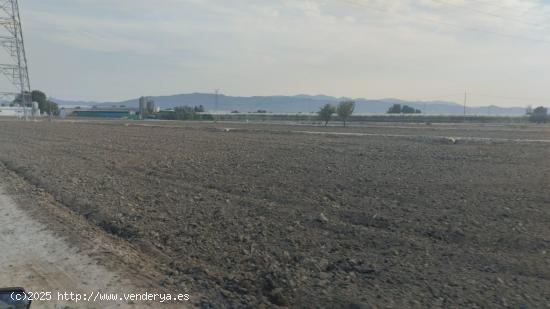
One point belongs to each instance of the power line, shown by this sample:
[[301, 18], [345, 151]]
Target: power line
[[511, 98], [454, 95], [475, 94], [468, 97]]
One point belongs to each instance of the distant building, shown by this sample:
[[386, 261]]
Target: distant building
[[147, 107], [105, 113], [12, 111]]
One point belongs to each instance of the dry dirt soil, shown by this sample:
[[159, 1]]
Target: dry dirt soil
[[262, 216]]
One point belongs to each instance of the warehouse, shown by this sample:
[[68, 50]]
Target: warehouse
[[96, 113]]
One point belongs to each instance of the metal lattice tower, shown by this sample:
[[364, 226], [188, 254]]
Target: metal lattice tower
[[12, 40]]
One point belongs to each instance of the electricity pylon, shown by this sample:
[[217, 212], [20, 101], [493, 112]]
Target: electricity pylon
[[11, 38]]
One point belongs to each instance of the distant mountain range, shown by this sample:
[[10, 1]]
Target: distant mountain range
[[299, 104]]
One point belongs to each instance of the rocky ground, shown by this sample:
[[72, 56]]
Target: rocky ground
[[262, 215]]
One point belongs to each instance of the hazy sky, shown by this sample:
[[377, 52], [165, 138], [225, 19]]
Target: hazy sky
[[498, 50]]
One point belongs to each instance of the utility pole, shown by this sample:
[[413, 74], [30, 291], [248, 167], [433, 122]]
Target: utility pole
[[12, 40], [465, 101], [217, 91], [309, 111]]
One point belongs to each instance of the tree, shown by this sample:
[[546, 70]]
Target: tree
[[184, 113], [407, 110], [539, 115], [51, 107], [45, 105], [325, 113], [395, 109], [41, 98], [345, 110]]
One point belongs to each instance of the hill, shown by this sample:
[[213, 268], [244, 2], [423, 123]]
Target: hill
[[299, 104]]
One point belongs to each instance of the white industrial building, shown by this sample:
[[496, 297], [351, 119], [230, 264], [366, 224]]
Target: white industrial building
[[15, 111], [18, 111]]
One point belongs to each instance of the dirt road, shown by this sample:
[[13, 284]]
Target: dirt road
[[35, 258]]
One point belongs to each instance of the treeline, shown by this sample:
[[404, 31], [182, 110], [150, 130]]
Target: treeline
[[186, 113], [344, 110], [44, 105], [397, 109]]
